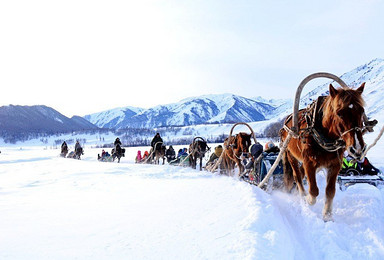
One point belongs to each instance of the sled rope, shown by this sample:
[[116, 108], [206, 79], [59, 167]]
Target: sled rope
[[186, 157], [153, 150], [282, 150], [374, 143]]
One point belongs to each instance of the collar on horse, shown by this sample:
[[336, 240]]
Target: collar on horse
[[313, 116], [195, 147]]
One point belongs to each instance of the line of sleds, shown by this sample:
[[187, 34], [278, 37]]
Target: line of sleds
[[185, 157], [181, 159], [253, 160], [116, 153], [75, 154]]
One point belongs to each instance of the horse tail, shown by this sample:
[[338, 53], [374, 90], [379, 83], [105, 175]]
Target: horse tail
[[288, 172]]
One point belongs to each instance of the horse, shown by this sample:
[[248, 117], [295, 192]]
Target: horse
[[117, 152], [326, 130], [235, 147], [197, 150], [159, 152]]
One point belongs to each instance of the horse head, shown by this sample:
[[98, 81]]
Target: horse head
[[343, 117], [243, 142]]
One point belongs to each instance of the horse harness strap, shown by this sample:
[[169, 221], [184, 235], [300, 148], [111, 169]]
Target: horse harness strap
[[313, 116]]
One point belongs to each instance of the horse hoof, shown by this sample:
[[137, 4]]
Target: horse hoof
[[328, 217], [311, 200]]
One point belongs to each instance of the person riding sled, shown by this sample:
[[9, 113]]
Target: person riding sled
[[170, 154], [138, 158], [216, 154], [351, 166]]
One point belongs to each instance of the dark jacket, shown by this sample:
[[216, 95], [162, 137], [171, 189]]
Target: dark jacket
[[156, 139], [117, 141], [77, 146]]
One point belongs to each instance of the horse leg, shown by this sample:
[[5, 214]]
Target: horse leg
[[193, 158], [310, 172], [330, 192], [297, 174], [201, 163]]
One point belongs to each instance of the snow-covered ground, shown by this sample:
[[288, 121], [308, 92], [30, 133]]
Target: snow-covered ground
[[58, 208]]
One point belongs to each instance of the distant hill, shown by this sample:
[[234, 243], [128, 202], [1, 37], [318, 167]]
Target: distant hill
[[208, 109], [16, 119]]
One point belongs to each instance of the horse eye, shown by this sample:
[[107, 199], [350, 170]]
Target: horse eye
[[340, 113]]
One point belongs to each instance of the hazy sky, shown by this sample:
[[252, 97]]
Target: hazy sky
[[81, 57]]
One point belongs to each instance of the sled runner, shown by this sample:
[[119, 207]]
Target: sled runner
[[181, 161], [348, 180], [354, 172], [106, 159]]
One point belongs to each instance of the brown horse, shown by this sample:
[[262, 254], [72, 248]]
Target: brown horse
[[322, 142], [236, 146], [159, 152]]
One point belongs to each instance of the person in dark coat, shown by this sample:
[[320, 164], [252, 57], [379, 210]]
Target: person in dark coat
[[64, 149], [156, 139], [77, 145], [64, 144], [117, 141], [255, 150], [170, 154]]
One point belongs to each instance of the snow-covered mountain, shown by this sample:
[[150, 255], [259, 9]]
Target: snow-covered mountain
[[229, 108], [16, 119], [225, 108], [113, 117], [371, 73]]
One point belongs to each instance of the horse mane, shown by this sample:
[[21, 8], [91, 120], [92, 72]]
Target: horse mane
[[341, 99]]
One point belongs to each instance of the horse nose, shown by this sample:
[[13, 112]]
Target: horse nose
[[356, 153]]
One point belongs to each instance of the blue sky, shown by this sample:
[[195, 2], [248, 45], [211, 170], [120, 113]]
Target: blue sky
[[81, 57]]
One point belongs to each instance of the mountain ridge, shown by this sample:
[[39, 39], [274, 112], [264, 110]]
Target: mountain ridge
[[39, 118]]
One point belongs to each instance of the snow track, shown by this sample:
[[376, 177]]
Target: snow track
[[56, 208]]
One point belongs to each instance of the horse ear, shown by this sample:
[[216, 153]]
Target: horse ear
[[332, 91], [361, 88]]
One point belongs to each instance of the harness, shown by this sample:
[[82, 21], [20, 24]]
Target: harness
[[313, 115], [195, 148]]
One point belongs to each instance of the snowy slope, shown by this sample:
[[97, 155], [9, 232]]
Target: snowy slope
[[371, 73], [223, 108], [111, 118], [39, 118], [56, 208]]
